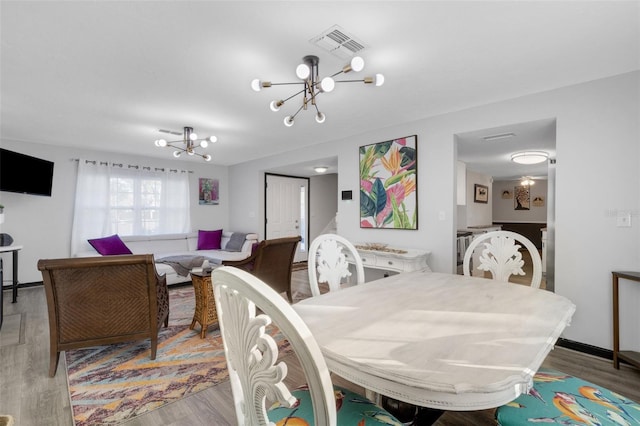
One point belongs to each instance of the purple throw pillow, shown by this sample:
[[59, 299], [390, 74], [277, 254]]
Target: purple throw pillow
[[108, 246], [210, 240]]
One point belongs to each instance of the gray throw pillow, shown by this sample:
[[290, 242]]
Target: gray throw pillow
[[236, 241]]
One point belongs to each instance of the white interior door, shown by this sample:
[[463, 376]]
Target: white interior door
[[286, 210]]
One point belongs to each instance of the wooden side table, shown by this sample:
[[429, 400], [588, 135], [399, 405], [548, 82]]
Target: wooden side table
[[631, 357], [205, 311]]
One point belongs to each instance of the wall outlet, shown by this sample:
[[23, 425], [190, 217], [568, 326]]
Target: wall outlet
[[623, 220]]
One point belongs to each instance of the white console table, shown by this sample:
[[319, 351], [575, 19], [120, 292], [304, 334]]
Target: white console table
[[411, 260]]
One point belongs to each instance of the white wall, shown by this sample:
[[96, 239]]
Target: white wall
[[478, 214], [323, 203], [503, 208], [43, 224], [598, 173]]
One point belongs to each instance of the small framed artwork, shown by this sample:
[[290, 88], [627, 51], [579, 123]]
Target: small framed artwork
[[208, 191], [521, 198], [538, 201], [480, 193], [507, 195]]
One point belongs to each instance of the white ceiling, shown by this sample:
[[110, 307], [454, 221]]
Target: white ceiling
[[109, 74], [492, 156]]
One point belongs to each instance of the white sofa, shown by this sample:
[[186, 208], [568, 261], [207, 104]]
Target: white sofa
[[171, 245]]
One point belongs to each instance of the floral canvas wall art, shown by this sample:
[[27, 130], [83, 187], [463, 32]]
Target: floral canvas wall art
[[388, 184]]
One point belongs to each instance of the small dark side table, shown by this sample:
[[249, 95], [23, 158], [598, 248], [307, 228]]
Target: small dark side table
[[14, 281], [632, 357]]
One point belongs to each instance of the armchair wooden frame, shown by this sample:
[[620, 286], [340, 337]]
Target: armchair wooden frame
[[103, 300], [272, 262]]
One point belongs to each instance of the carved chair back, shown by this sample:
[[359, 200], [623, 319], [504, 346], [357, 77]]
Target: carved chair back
[[501, 256], [252, 354], [328, 262]]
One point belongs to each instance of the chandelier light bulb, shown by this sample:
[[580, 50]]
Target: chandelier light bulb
[[275, 105], [255, 85], [320, 117], [288, 121], [379, 80], [161, 142], [303, 71], [204, 143], [327, 84], [213, 139], [357, 64], [206, 157], [177, 153], [193, 136]]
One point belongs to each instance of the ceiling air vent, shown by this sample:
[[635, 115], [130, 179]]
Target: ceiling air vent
[[171, 132], [338, 42]]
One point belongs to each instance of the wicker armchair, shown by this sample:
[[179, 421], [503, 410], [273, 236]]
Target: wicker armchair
[[271, 261], [103, 300]]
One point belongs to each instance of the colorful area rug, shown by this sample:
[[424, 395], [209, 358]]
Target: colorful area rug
[[113, 383]]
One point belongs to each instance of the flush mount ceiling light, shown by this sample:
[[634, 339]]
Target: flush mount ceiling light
[[188, 144], [529, 157], [320, 169], [308, 73]]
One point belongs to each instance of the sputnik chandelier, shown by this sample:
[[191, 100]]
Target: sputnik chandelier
[[307, 71], [188, 144]]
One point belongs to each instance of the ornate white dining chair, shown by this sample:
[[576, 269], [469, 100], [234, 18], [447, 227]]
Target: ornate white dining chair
[[255, 374], [328, 262], [501, 256]]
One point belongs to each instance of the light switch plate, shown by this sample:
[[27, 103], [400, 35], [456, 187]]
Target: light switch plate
[[623, 220]]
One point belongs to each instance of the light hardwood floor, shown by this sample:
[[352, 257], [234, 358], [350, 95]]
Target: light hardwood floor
[[28, 394]]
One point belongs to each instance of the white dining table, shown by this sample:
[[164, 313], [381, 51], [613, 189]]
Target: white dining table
[[438, 340]]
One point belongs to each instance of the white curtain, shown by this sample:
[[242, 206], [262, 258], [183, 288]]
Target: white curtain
[[97, 199]]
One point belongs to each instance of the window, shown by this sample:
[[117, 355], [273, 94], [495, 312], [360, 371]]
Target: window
[[135, 205], [116, 199]]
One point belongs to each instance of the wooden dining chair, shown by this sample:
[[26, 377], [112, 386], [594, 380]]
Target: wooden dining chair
[[501, 256], [257, 377], [328, 262]]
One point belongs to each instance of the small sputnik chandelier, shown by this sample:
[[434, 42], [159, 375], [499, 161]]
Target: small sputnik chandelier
[[307, 71], [188, 144]]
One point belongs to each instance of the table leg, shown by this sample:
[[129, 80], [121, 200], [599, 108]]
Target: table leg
[[1, 293], [15, 276], [616, 324]]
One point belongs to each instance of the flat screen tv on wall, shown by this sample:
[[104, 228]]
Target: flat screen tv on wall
[[25, 174]]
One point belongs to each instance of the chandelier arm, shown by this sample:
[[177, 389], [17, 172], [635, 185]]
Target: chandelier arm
[[287, 84], [350, 81], [294, 95], [171, 144], [299, 109]]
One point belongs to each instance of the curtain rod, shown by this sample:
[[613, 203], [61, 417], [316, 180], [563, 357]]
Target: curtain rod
[[131, 166]]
